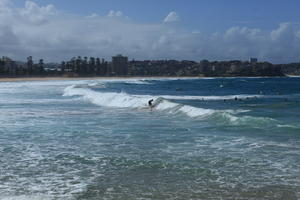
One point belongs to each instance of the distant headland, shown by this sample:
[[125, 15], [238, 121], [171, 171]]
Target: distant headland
[[120, 66]]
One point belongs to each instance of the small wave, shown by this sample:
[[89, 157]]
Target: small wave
[[226, 97], [196, 112], [288, 126], [230, 97], [91, 85], [137, 81], [126, 80], [256, 122]]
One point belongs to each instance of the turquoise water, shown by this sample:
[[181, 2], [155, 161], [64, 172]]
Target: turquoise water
[[97, 139]]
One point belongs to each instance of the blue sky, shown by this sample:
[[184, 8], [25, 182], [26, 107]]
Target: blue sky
[[151, 29], [211, 15]]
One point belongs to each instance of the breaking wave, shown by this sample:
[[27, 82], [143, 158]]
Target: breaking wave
[[124, 100]]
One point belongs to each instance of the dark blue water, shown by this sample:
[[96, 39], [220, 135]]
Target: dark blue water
[[232, 138]]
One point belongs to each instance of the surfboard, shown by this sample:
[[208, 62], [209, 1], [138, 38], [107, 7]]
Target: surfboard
[[157, 101], [154, 103]]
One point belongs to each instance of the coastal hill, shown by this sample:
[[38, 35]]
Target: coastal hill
[[120, 66]]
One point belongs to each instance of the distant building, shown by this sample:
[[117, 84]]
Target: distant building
[[6, 59], [9, 65], [253, 60], [119, 65], [234, 67], [213, 68]]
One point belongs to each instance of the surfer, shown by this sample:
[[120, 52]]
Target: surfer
[[150, 103]]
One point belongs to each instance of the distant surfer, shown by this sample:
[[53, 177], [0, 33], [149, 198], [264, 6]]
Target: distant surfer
[[150, 103]]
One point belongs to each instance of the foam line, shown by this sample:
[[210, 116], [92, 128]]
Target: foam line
[[124, 100]]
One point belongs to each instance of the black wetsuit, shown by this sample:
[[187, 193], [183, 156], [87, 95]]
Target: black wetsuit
[[150, 102]]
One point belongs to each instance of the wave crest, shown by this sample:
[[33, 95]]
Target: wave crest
[[124, 100]]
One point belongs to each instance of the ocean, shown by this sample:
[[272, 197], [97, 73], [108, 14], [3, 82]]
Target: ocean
[[207, 138]]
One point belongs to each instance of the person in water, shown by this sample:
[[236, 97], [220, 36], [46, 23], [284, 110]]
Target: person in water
[[150, 103]]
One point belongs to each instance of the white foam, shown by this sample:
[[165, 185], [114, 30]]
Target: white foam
[[24, 197], [102, 82], [124, 100], [110, 99], [126, 80], [288, 126], [228, 118], [166, 105], [142, 81], [196, 112]]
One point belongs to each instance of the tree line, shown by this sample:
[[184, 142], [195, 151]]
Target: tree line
[[94, 66]]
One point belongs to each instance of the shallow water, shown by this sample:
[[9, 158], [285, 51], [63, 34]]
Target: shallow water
[[97, 139]]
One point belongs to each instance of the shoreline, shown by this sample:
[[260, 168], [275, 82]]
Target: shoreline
[[58, 78]]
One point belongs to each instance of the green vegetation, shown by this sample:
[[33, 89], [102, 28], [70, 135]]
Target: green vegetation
[[120, 66]]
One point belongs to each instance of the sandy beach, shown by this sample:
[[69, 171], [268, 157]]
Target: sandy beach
[[48, 78], [85, 78], [110, 77]]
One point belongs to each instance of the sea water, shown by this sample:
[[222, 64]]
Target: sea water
[[213, 138]]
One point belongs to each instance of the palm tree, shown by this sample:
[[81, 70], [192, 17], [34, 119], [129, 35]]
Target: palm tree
[[41, 66], [98, 65], [63, 67], [91, 69], [29, 65]]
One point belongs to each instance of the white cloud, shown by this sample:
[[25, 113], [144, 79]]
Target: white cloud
[[113, 13], [172, 17], [45, 32], [5, 11], [93, 15], [36, 14], [4, 4], [285, 31]]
